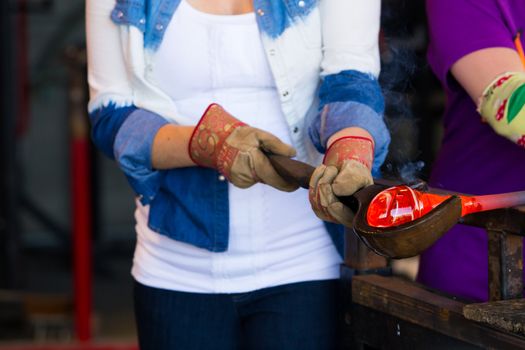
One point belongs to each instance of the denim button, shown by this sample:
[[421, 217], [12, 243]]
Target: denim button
[[222, 178], [301, 3], [260, 12], [120, 14], [159, 27], [142, 21]]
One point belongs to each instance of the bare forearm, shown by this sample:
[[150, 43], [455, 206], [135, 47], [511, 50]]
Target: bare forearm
[[476, 70], [170, 147]]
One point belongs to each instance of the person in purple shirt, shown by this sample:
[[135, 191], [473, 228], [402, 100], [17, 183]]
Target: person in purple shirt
[[475, 51]]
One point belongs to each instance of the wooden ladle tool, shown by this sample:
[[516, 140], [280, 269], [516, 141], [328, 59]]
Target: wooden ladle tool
[[400, 241]]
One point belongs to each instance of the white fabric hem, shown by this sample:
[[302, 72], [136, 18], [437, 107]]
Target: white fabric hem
[[107, 99]]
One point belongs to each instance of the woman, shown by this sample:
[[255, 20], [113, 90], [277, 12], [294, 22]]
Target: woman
[[188, 96], [475, 50]]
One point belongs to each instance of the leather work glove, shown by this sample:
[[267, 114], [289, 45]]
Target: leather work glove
[[236, 150], [345, 169]]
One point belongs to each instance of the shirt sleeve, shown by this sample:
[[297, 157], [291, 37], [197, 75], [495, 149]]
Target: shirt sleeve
[[350, 30], [460, 27], [350, 95], [119, 129], [351, 99], [107, 76]]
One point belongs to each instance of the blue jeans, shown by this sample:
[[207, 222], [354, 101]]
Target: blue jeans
[[304, 316]]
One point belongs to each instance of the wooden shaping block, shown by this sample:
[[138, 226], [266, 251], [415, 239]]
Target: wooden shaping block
[[508, 315]]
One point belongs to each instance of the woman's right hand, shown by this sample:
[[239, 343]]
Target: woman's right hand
[[346, 168], [236, 150]]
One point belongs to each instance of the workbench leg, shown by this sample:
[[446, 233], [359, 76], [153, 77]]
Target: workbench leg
[[359, 260], [358, 256], [505, 266]]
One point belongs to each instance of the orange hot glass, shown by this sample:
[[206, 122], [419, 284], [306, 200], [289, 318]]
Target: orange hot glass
[[400, 204]]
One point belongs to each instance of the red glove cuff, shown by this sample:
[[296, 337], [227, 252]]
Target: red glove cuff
[[208, 137], [358, 148]]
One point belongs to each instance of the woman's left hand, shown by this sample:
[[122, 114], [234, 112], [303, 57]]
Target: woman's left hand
[[345, 169]]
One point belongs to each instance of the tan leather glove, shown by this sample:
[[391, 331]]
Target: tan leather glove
[[235, 149], [345, 169]]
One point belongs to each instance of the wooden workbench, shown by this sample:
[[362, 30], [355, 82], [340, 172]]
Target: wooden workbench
[[387, 312]]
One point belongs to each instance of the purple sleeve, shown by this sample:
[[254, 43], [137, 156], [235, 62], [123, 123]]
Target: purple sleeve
[[460, 27]]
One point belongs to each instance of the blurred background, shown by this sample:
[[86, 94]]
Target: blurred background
[[66, 214]]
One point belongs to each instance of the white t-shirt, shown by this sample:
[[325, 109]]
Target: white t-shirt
[[275, 238]]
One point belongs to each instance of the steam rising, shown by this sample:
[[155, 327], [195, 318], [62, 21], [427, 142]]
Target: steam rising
[[398, 65]]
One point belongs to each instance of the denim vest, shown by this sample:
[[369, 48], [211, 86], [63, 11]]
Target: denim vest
[[191, 204]]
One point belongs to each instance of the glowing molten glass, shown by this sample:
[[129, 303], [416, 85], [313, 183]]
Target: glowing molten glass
[[400, 204]]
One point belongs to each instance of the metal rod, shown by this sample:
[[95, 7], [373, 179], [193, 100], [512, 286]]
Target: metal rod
[[492, 201]]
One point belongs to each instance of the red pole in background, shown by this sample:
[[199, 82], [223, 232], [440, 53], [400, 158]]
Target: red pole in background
[[81, 193], [79, 167], [81, 236]]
